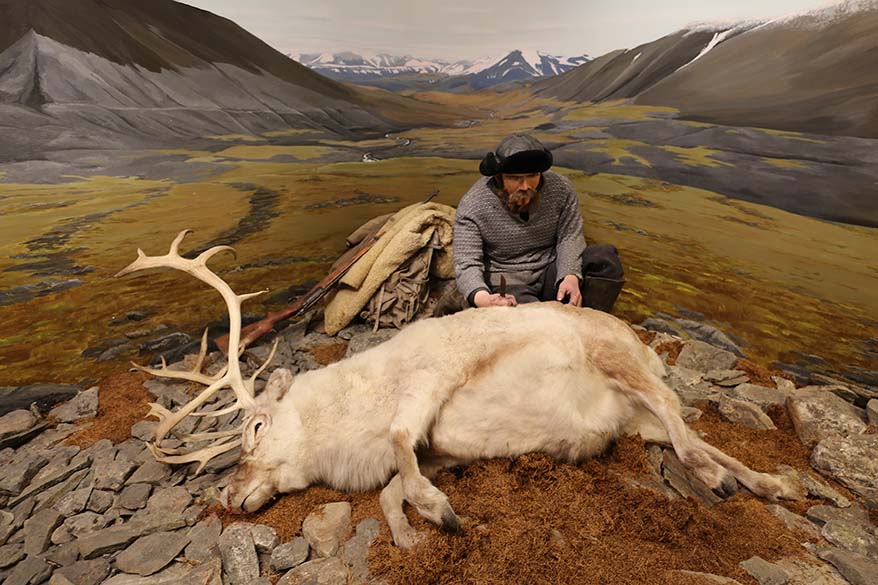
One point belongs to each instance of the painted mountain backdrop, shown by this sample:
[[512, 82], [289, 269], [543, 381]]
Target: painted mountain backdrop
[[117, 73], [391, 71]]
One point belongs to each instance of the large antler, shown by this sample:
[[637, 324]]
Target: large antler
[[229, 376]]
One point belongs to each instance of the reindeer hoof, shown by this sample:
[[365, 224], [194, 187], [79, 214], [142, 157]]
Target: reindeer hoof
[[728, 487], [450, 522]]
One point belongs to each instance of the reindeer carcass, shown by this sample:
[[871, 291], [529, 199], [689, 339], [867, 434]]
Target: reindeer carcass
[[482, 383]]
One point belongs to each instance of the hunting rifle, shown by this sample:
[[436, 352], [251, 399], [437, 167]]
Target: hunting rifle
[[254, 331]]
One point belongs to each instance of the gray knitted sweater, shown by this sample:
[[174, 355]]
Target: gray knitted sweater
[[488, 238]]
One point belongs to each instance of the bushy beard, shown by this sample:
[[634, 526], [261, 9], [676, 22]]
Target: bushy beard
[[519, 200]]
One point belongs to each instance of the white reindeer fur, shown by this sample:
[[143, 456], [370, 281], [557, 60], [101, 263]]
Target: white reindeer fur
[[477, 384]]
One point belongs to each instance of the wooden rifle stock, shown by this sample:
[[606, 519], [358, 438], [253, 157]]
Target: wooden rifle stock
[[254, 331]]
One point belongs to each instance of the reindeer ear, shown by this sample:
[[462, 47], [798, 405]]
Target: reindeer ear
[[278, 383], [254, 428]]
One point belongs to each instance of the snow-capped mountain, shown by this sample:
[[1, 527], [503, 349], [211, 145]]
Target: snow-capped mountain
[[519, 65], [352, 66], [485, 71]]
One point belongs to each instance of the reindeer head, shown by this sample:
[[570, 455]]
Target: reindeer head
[[272, 448], [271, 433]]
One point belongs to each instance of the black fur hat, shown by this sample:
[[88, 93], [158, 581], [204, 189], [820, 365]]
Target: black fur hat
[[517, 154]]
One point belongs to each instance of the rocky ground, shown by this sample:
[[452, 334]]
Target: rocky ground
[[83, 501]]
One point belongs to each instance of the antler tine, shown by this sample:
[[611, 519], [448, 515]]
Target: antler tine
[[201, 455], [252, 380], [193, 375]]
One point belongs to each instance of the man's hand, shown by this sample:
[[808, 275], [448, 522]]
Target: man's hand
[[569, 289], [485, 299]]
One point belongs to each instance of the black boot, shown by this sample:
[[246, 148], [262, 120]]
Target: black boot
[[601, 293]]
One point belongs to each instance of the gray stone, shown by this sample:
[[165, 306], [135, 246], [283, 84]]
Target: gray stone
[[38, 530], [15, 422], [86, 572], [59, 579], [30, 571], [99, 501], [690, 414], [209, 573], [51, 496], [823, 490], [79, 463], [134, 497], [144, 430], [857, 569], [762, 396], [265, 538], [117, 537], [63, 555], [173, 500], [111, 475], [330, 571], [325, 527], [19, 439], [369, 528], [855, 515], [362, 341], [133, 450], [764, 572], [808, 572], [83, 405], [784, 385], [240, 562], [709, 334], [223, 462], [852, 538], [19, 474], [74, 502], [289, 554], [22, 511], [43, 395], [355, 553], [872, 412], [851, 461], [85, 523], [794, 521], [690, 386], [151, 553], [745, 413], [703, 357], [727, 378], [204, 540], [61, 535], [817, 414], [683, 482], [11, 554], [7, 526]]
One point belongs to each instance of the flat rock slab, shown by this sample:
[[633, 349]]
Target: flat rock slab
[[856, 569], [204, 540], [43, 395], [289, 554], [745, 413], [151, 553], [83, 405], [16, 422], [90, 572], [703, 357], [762, 396], [209, 573], [325, 528], [851, 461], [329, 571], [117, 537], [817, 414], [38, 530], [240, 561]]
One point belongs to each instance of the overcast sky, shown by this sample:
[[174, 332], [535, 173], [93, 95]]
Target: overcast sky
[[468, 29]]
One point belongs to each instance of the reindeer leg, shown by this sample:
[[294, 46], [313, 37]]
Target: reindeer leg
[[766, 485], [392, 498], [660, 401], [410, 426]]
